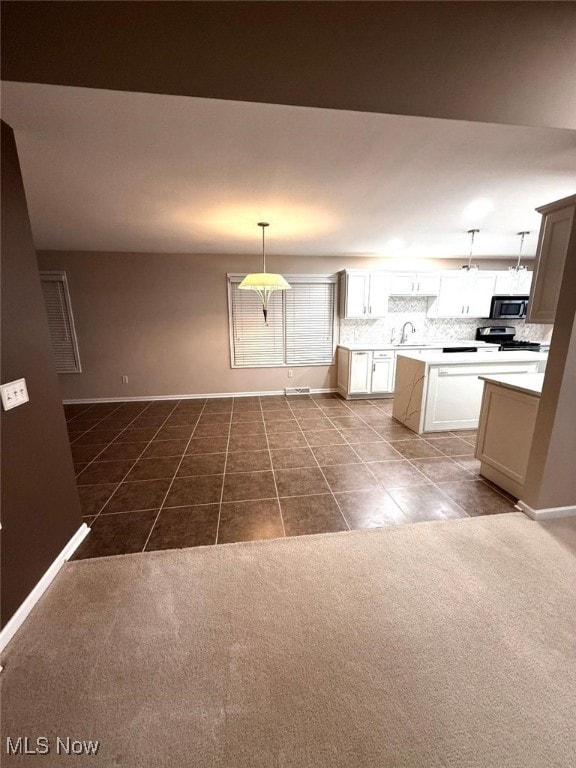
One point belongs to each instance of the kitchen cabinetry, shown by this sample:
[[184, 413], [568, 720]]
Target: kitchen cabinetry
[[364, 295], [454, 396], [439, 392], [359, 379], [506, 429], [456, 298], [555, 231], [414, 284], [365, 372], [507, 284], [382, 372]]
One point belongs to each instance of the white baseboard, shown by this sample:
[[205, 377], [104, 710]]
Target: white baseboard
[[546, 514], [262, 393], [23, 611]]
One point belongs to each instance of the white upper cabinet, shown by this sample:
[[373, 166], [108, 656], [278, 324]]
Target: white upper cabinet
[[355, 294], [414, 284], [457, 299], [555, 232], [378, 295], [364, 295], [508, 284], [479, 298]]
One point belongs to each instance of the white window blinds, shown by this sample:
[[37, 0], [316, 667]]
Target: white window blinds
[[60, 322], [254, 341], [309, 309], [300, 327]]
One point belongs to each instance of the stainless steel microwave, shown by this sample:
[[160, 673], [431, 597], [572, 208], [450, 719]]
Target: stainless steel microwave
[[508, 307]]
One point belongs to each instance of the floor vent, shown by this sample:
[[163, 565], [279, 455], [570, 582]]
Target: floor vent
[[297, 390]]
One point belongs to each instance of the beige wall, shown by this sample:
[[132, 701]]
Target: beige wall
[[39, 500], [162, 320]]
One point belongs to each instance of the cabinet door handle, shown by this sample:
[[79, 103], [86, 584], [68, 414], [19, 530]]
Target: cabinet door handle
[[364, 310], [370, 312], [373, 367], [417, 287]]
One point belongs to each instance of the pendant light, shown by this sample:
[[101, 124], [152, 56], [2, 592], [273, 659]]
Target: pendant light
[[516, 272], [469, 267], [264, 283], [469, 271]]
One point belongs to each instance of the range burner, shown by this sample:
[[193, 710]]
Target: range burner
[[503, 335], [531, 346]]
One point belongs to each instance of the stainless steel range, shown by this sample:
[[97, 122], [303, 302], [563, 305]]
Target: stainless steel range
[[503, 335]]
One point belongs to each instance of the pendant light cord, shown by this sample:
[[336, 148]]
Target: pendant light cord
[[472, 233], [263, 224], [522, 236]]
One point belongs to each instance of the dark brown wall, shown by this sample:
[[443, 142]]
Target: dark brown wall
[[501, 62], [40, 507]]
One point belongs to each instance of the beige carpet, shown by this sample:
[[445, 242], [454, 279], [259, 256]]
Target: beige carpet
[[436, 644]]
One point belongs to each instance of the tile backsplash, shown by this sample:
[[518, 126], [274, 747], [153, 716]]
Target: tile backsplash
[[402, 309]]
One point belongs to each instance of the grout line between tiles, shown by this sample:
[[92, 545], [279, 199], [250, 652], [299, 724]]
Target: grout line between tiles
[[274, 478], [224, 473], [177, 468], [367, 465], [324, 476], [132, 466], [300, 416]]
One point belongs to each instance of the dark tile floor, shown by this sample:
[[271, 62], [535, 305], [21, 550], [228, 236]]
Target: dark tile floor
[[184, 473]]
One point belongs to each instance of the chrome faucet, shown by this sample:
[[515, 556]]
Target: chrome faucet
[[404, 336]]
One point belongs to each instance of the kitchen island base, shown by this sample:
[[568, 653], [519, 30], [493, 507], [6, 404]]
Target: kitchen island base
[[443, 392]]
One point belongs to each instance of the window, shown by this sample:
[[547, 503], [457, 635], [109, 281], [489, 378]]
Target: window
[[60, 322], [300, 328]]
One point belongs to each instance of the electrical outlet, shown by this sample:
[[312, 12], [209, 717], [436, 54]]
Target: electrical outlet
[[124, 379], [290, 373], [14, 393]]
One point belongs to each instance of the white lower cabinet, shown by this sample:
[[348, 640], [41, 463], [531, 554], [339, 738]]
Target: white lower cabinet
[[382, 372], [362, 373], [505, 434], [359, 381], [454, 393]]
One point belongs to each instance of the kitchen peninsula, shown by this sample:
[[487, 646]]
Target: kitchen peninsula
[[368, 370], [439, 391], [507, 421]]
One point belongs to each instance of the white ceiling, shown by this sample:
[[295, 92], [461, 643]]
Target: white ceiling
[[119, 171]]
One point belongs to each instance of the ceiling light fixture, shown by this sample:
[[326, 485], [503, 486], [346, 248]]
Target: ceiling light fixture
[[516, 272], [517, 268], [469, 271], [264, 283], [471, 267]]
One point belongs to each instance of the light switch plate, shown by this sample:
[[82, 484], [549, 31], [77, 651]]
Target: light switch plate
[[14, 393]]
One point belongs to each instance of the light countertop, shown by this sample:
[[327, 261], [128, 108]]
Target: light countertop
[[530, 383], [467, 358], [371, 347]]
